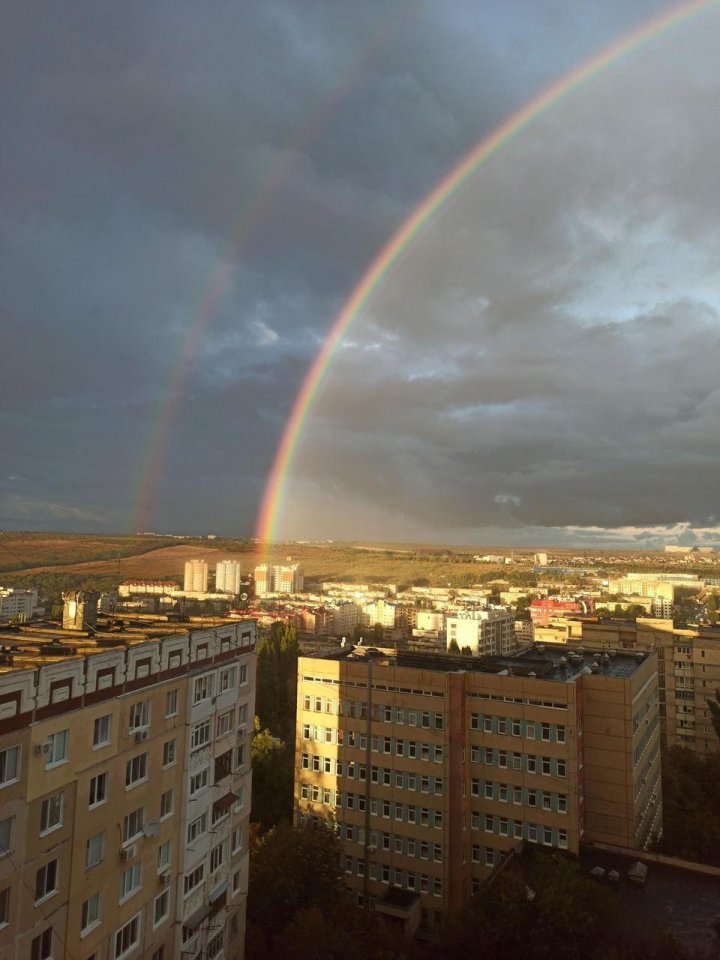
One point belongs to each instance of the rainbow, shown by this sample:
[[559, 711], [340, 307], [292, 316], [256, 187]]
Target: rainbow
[[254, 212], [382, 265]]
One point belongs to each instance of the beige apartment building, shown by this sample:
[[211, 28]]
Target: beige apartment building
[[125, 791], [435, 767], [688, 673]]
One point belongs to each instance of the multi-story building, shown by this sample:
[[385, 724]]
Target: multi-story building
[[277, 579], [227, 577], [380, 611], [435, 767], [17, 603], [688, 673], [486, 632], [157, 588], [544, 609], [196, 576], [125, 785]]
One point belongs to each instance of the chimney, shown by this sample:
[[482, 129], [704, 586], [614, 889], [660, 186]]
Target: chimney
[[80, 609]]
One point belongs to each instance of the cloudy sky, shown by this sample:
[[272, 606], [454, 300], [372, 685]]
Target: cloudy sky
[[190, 192]]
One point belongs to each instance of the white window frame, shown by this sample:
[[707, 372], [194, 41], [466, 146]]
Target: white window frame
[[94, 845], [133, 927], [53, 805], [59, 742], [90, 914], [102, 734]]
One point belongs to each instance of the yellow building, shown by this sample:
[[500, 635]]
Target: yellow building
[[435, 767], [125, 791], [688, 673]]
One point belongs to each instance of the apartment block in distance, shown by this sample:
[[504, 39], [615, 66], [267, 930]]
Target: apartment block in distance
[[196, 576], [278, 579], [434, 767], [125, 790], [688, 673], [227, 577], [490, 631]]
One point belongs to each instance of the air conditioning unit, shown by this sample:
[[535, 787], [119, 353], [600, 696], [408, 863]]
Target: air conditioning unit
[[164, 879], [43, 748], [141, 736], [127, 853]]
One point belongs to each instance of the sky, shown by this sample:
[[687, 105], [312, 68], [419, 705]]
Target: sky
[[191, 192]]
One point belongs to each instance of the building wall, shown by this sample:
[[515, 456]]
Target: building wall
[[57, 806], [196, 576], [433, 776]]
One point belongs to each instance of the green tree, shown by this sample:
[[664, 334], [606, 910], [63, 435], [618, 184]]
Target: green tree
[[714, 708], [272, 783], [711, 607], [276, 692], [453, 647]]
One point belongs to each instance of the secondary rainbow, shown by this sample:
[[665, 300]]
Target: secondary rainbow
[[272, 502]]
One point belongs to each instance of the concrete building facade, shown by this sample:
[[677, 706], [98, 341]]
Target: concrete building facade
[[489, 632], [109, 752], [435, 767], [196, 576], [227, 577], [17, 603]]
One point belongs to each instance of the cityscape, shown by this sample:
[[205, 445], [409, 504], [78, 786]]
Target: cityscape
[[359, 529]]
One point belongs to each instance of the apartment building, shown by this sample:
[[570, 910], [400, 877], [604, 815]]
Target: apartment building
[[228, 577], [17, 603], [196, 576], [688, 673], [278, 579], [125, 791], [486, 632], [435, 767]]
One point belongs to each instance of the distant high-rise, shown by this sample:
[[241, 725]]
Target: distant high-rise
[[227, 577], [270, 579], [196, 576]]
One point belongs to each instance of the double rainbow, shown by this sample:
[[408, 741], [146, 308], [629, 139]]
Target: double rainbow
[[382, 265]]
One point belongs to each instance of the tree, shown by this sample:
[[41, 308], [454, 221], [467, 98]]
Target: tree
[[272, 785], [453, 647], [711, 607], [277, 658], [714, 708]]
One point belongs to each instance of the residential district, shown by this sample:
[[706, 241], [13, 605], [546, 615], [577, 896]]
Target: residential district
[[438, 731]]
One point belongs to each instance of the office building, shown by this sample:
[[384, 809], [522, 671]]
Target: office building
[[227, 577], [435, 767], [196, 576], [485, 632], [125, 788]]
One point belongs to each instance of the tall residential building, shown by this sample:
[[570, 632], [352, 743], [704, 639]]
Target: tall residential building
[[688, 673], [278, 579], [485, 632], [227, 577], [16, 603], [196, 576], [125, 786], [435, 767]]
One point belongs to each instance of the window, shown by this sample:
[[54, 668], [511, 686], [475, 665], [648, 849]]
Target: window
[[136, 770], [489, 857], [561, 768], [5, 835], [243, 674], [94, 850], [127, 937], [218, 855], [544, 731], [161, 907], [46, 880], [41, 947], [171, 703], [101, 731], [130, 881], [198, 781], [166, 804], [9, 765], [58, 747], [98, 789], [168, 753], [546, 766], [237, 841], [560, 733], [139, 716], [227, 679], [562, 803], [4, 906], [90, 912], [193, 879], [215, 945], [197, 827], [203, 687], [531, 765], [200, 735], [51, 814], [133, 824], [164, 855], [516, 728], [225, 723], [487, 724]]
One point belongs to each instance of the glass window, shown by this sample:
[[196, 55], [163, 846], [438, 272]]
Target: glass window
[[127, 937], [9, 765], [164, 855], [101, 731], [46, 880], [161, 908], [94, 850], [41, 947], [51, 814], [4, 906], [130, 881], [98, 789], [58, 747], [171, 703], [133, 824], [6, 835], [139, 716], [90, 912], [136, 770], [166, 804]]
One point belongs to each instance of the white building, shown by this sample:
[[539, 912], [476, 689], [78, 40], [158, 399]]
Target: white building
[[18, 604], [380, 612], [196, 576], [227, 577], [489, 632]]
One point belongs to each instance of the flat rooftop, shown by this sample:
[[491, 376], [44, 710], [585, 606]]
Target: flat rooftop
[[563, 663], [27, 645]]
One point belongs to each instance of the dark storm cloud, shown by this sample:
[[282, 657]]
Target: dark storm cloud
[[265, 151]]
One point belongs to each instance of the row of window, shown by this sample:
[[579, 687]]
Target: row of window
[[383, 873], [507, 793], [389, 809], [428, 719], [510, 726], [519, 830], [199, 825], [406, 846], [204, 687], [380, 775], [526, 763]]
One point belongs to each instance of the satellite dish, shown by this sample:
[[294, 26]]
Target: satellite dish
[[152, 828]]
